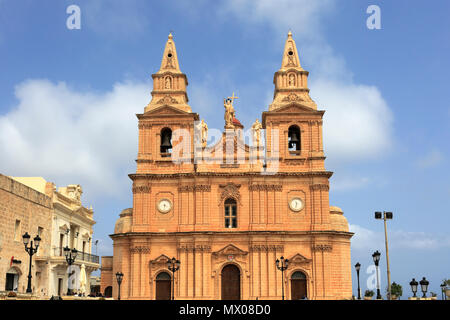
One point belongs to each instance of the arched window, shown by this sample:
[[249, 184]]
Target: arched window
[[294, 140], [166, 142], [230, 213]]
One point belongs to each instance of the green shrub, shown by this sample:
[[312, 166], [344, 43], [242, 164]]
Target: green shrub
[[369, 293]]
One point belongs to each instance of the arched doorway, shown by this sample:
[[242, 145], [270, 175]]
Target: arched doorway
[[108, 292], [163, 286], [298, 286], [231, 283]]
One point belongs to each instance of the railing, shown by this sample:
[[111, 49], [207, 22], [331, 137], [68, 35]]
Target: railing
[[81, 256]]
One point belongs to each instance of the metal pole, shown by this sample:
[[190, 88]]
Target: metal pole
[[387, 255], [359, 289], [282, 282], [378, 285], [30, 252]]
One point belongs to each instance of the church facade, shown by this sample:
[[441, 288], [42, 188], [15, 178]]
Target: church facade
[[228, 210]]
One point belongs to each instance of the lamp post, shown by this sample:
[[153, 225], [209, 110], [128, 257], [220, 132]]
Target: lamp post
[[173, 265], [31, 251], [357, 267], [386, 216], [119, 277], [442, 291], [282, 265], [413, 285], [424, 286], [376, 259], [71, 255]]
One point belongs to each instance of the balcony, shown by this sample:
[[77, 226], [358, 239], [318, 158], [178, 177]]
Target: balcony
[[81, 256]]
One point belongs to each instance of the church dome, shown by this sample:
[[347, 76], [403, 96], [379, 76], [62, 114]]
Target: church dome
[[337, 219], [123, 224]]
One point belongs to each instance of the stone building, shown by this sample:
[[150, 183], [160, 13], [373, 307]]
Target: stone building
[[29, 204], [23, 209], [226, 216]]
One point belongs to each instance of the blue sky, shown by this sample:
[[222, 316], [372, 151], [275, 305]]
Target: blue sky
[[65, 94]]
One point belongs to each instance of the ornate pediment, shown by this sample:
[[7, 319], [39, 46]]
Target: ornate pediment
[[165, 109], [295, 106], [298, 259], [230, 190], [162, 259], [230, 250]]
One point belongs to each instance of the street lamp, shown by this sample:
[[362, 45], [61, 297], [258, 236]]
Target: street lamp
[[173, 265], [282, 265], [119, 277], [424, 286], [413, 285], [443, 285], [71, 255], [376, 259], [31, 250], [357, 267], [386, 216]]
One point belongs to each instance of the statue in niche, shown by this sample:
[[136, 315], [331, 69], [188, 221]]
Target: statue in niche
[[256, 128], [291, 80], [168, 83]]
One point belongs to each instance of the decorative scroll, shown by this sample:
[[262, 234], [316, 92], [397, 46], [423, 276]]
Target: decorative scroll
[[194, 248], [319, 186], [141, 189], [167, 99], [322, 247], [191, 188], [140, 249], [266, 248], [230, 191], [266, 187], [292, 97]]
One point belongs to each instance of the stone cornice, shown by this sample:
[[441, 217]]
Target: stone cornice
[[232, 234], [326, 174], [25, 192]]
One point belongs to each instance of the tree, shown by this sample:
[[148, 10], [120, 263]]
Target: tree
[[369, 293], [396, 290]]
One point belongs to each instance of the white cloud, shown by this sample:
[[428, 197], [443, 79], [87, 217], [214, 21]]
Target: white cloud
[[370, 240], [357, 121], [431, 159], [69, 136]]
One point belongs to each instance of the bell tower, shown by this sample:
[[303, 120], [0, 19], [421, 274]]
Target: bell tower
[[167, 120], [169, 83], [291, 81], [293, 119]]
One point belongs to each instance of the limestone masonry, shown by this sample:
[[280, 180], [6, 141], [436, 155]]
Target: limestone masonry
[[228, 221]]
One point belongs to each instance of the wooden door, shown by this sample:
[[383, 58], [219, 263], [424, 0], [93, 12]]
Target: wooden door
[[298, 286], [163, 287], [231, 283]]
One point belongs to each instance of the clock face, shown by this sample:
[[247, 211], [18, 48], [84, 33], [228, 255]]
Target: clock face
[[164, 205], [296, 204]]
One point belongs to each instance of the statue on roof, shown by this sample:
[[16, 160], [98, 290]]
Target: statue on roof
[[229, 111]]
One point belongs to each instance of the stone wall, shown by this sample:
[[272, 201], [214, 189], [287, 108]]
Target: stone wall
[[34, 210]]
